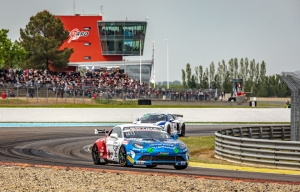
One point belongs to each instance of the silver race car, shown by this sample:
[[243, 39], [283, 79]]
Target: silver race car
[[169, 122]]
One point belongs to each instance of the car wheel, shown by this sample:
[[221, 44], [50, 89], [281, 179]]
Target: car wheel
[[182, 130], [169, 129], [151, 166], [95, 155], [180, 167], [122, 157]]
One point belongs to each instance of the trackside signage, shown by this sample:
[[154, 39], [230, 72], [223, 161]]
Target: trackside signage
[[76, 34]]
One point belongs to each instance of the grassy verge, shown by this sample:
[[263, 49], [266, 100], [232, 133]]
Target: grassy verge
[[201, 149], [88, 103]]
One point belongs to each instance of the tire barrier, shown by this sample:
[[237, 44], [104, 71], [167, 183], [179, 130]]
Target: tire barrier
[[144, 102], [264, 146]]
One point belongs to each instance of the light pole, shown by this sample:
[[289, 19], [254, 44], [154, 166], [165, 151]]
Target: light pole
[[153, 67], [167, 63], [140, 62]]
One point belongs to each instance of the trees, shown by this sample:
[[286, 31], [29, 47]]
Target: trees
[[197, 74], [42, 39], [212, 75], [11, 54], [188, 72], [200, 75], [183, 78], [253, 74], [227, 86], [188, 79], [231, 69], [192, 83]]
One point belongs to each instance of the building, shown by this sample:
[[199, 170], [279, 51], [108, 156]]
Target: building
[[102, 45]]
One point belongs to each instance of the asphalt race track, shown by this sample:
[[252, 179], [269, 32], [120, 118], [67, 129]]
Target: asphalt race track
[[67, 146]]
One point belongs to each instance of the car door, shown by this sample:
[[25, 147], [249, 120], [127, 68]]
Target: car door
[[113, 143], [171, 120]]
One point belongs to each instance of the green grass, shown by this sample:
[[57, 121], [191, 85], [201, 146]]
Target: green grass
[[9, 102], [262, 104], [13, 103], [201, 148]]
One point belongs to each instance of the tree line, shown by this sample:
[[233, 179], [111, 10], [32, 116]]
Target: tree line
[[39, 45], [253, 74]]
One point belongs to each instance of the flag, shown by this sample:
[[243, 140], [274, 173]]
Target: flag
[[152, 78], [87, 67]]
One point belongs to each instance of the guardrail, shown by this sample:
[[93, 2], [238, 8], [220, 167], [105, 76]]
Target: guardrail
[[264, 146]]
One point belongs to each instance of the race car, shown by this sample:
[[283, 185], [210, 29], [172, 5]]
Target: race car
[[146, 145], [169, 122]]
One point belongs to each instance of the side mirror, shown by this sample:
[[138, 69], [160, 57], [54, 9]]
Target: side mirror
[[114, 135], [175, 136]]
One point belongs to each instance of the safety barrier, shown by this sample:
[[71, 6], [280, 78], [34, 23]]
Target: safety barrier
[[264, 146], [79, 94]]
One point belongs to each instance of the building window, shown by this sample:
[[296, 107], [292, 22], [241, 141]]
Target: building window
[[87, 44], [87, 57], [87, 28]]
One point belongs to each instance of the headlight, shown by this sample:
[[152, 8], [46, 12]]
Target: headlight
[[137, 145], [187, 156], [132, 153], [182, 146]]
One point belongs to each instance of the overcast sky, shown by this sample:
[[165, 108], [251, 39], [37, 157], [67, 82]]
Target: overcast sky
[[199, 32]]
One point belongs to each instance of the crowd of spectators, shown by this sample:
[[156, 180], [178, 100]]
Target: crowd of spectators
[[113, 83], [69, 81]]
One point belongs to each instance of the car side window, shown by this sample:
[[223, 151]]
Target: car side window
[[116, 130], [170, 117], [161, 117]]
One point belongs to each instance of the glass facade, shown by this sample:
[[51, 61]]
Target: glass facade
[[133, 71], [122, 38]]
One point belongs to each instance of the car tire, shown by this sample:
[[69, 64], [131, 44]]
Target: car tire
[[122, 157], [151, 166], [169, 129], [95, 155], [182, 133], [180, 167]]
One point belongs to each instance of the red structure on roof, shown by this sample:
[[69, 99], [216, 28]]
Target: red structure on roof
[[85, 39]]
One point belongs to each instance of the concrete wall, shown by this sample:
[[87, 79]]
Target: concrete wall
[[129, 115]]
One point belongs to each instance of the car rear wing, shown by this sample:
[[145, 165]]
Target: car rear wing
[[177, 115], [97, 131]]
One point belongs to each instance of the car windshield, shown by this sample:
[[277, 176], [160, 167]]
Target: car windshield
[[153, 118], [146, 134]]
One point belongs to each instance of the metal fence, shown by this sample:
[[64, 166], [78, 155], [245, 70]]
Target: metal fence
[[292, 80], [14, 93], [268, 145]]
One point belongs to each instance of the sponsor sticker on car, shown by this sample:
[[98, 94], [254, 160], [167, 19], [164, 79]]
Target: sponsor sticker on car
[[130, 159], [140, 162], [125, 142], [162, 153]]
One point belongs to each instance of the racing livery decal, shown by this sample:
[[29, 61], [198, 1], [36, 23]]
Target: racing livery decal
[[140, 145]]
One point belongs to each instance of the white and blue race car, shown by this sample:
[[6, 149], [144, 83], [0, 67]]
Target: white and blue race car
[[169, 122], [141, 145]]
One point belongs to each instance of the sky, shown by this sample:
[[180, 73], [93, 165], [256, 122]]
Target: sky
[[199, 32]]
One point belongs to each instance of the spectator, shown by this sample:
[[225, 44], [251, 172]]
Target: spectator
[[10, 93], [288, 105], [31, 92]]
